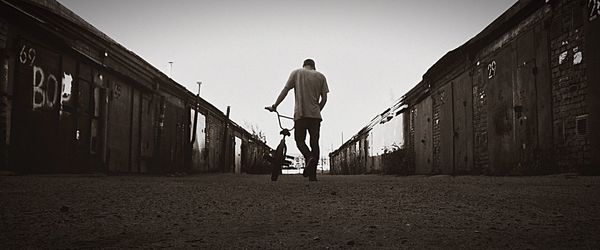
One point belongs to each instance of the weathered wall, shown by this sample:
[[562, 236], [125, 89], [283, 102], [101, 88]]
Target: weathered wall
[[592, 58], [568, 56]]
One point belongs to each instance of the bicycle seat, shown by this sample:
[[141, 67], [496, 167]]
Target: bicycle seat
[[285, 132]]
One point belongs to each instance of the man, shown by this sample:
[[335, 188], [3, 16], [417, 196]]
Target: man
[[310, 90]]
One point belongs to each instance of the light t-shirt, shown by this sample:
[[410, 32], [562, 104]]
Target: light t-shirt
[[308, 87]]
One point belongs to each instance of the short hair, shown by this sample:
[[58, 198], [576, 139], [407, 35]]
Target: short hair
[[309, 62]]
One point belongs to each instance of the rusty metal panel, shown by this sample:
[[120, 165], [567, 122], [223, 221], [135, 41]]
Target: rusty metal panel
[[423, 137], [135, 130], [119, 124], [463, 124], [524, 104], [36, 103], [446, 96], [500, 122]]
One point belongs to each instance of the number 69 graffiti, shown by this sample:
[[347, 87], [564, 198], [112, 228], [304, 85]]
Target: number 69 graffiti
[[27, 55]]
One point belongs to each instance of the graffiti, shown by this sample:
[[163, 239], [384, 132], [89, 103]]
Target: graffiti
[[116, 92], [27, 55], [577, 56], [492, 70], [45, 89], [594, 9], [562, 57], [67, 88]]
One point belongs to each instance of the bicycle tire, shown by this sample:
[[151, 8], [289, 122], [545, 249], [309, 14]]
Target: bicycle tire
[[279, 158]]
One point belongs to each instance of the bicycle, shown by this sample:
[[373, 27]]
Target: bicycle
[[277, 157]]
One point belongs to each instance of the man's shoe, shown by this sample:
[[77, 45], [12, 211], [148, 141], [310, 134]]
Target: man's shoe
[[307, 169], [312, 169]]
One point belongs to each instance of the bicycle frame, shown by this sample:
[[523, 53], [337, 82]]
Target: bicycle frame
[[278, 157]]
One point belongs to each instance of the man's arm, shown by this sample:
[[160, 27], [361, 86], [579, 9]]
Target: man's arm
[[288, 85], [323, 100], [280, 98]]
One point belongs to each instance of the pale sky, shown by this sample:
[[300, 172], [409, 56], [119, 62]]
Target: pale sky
[[372, 52]]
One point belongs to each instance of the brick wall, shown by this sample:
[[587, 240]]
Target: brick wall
[[569, 87]]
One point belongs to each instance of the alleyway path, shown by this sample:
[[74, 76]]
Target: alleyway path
[[249, 211]]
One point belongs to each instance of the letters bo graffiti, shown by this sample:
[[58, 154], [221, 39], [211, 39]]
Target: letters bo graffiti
[[46, 87]]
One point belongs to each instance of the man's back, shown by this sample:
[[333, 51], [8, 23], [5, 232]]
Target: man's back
[[309, 86]]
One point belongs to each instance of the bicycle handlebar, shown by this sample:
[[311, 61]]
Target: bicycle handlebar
[[279, 117]]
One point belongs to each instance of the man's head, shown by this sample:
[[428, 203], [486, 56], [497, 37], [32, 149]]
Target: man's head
[[309, 63]]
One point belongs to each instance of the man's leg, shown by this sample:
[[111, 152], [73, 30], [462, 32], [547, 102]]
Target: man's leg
[[300, 137], [314, 129]]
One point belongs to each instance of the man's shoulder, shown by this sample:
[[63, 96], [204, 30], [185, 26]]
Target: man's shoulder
[[320, 74], [296, 71]]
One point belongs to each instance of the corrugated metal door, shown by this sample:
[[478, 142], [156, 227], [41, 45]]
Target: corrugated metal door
[[446, 129], [173, 137], [463, 123], [423, 137], [501, 130], [214, 143], [119, 127], [148, 132], [525, 107]]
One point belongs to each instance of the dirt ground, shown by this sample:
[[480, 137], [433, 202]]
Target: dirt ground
[[250, 211]]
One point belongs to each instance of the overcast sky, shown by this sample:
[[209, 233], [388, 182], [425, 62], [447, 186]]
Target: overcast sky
[[372, 52]]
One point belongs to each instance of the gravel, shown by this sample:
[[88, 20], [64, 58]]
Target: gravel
[[337, 212]]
